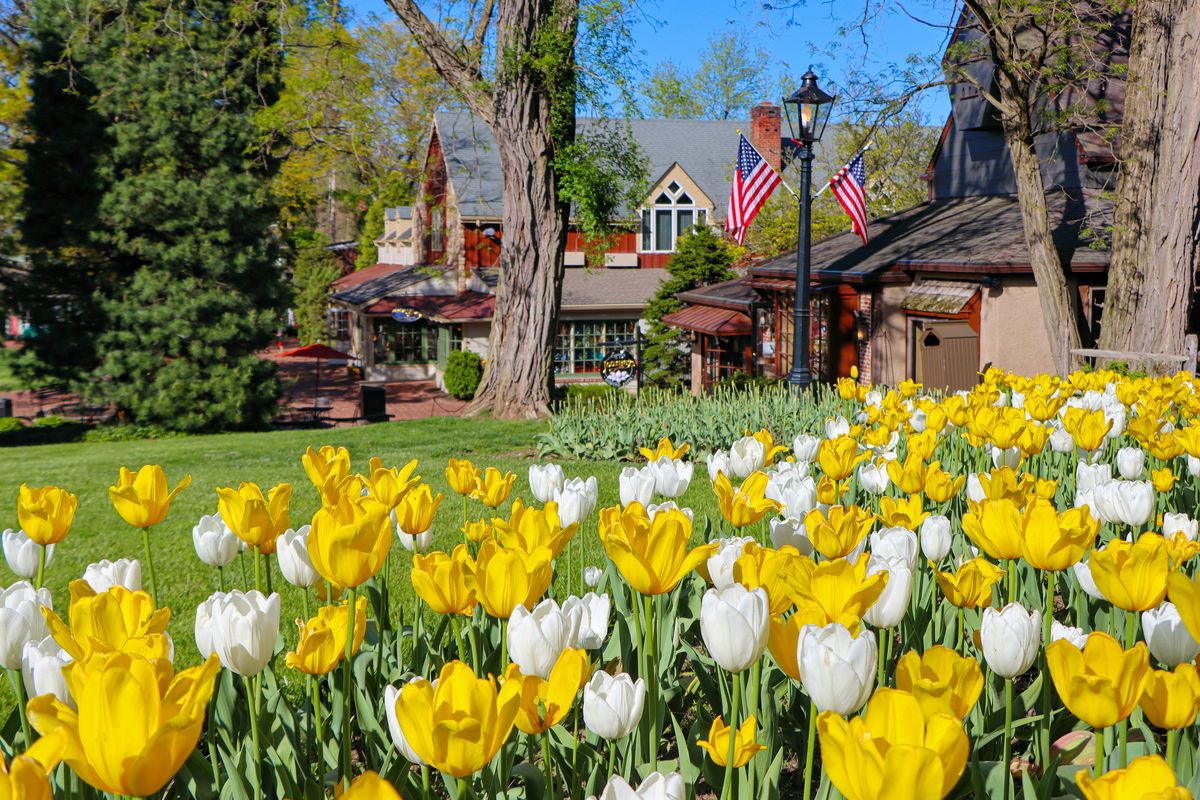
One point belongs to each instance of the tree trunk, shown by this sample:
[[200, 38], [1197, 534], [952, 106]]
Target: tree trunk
[[1061, 313], [1156, 222]]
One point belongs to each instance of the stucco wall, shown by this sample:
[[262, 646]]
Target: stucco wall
[[475, 337], [1012, 334]]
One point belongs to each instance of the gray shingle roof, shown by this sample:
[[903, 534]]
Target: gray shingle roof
[[705, 149], [610, 287], [385, 284]]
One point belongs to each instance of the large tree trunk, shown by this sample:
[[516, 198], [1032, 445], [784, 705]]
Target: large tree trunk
[[1156, 222], [1061, 313]]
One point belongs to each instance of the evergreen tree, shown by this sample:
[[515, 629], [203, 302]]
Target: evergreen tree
[[312, 278], [701, 259]]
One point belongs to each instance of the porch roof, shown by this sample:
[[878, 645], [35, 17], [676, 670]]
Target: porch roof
[[374, 282], [736, 294], [713, 321], [440, 308], [939, 297]]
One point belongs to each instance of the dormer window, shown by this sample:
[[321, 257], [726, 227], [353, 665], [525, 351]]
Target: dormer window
[[673, 214]]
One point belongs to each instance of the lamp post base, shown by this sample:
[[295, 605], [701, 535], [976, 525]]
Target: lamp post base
[[799, 379]]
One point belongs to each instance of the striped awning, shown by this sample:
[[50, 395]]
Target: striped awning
[[939, 297], [713, 321]]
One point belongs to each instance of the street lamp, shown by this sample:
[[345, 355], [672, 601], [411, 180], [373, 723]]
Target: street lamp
[[807, 113]]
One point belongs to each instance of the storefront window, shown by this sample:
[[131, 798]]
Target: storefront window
[[582, 345], [404, 342]]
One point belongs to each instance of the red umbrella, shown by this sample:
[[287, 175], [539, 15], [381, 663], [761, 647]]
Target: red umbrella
[[320, 353]]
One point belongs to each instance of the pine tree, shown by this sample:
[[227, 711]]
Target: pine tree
[[701, 259], [312, 277]]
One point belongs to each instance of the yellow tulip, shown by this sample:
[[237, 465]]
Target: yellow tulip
[[46, 513], [770, 569], [1185, 594], [748, 503], [545, 703], [256, 519], [327, 468], [1043, 406], [828, 491], [770, 449], [529, 528], [1033, 440], [893, 750], [348, 542], [494, 488], [1172, 699], [506, 578], [459, 726], [835, 533], [941, 486], [908, 388], [908, 513], [1146, 778], [745, 744], [971, 586], [908, 476], [136, 723], [1163, 479], [142, 498], [651, 555], [1053, 541], [415, 513], [995, 526], [477, 531], [1164, 447], [1007, 428], [941, 680], [1189, 439], [1005, 483], [322, 643], [462, 476], [783, 637], [841, 590], [389, 486], [1132, 576], [838, 457], [664, 450], [1087, 428], [446, 582], [1101, 683], [369, 786], [1181, 549], [26, 777], [923, 444], [116, 620]]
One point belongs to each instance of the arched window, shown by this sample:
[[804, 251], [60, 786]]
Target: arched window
[[673, 214]]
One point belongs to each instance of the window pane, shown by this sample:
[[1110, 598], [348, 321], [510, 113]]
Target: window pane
[[663, 200], [684, 220], [702, 217], [562, 349], [684, 199], [662, 230], [645, 229], [435, 229]]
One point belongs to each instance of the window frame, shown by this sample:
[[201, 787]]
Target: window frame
[[648, 240], [384, 335], [579, 353]]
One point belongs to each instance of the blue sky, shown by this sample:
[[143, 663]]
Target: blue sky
[[677, 30]]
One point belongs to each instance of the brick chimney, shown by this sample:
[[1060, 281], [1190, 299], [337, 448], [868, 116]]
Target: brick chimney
[[765, 133]]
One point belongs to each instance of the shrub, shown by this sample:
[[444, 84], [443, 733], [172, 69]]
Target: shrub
[[128, 433], [51, 421], [463, 371], [10, 424]]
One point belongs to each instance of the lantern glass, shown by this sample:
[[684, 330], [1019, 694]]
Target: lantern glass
[[808, 110]]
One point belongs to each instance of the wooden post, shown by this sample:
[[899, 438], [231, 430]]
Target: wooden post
[[1189, 350]]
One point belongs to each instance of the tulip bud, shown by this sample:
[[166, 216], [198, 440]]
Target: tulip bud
[[836, 668], [587, 616], [892, 604], [787, 532], [390, 695], [671, 476], [42, 663], [747, 455], [215, 543], [576, 500], [23, 553], [1011, 638], [545, 481], [637, 485], [592, 575], [612, 705], [1178, 523], [1083, 574], [1131, 461], [720, 564], [1075, 636], [291, 548], [935, 537], [103, 575], [656, 787], [805, 447], [244, 628], [874, 478], [1169, 641], [666, 505], [895, 544], [734, 625], [537, 638], [21, 620], [717, 461]]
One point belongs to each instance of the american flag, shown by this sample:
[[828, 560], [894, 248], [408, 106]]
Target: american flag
[[753, 182], [849, 187]]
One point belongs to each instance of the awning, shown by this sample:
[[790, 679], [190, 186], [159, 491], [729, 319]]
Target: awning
[[713, 321], [939, 297]]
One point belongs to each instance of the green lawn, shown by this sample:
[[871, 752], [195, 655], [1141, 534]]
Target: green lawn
[[268, 458]]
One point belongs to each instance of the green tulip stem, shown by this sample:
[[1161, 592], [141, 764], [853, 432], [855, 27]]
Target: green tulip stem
[[307, 610], [879, 663], [933, 605], [212, 757], [1171, 734], [574, 747], [503, 645], [41, 567], [732, 722], [314, 697], [809, 750], [464, 789], [220, 579], [457, 633], [1047, 620], [347, 698], [252, 691], [18, 685], [267, 569], [652, 680], [1123, 742], [1098, 769], [1130, 629], [258, 569], [425, 782], [612, 760], [1012, 580], [1006, 759], [962, 632], [546, 764], [475, 665], [150, 565]]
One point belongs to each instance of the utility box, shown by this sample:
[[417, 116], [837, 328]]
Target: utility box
[[947, 355], [5, 406], [373, 400]]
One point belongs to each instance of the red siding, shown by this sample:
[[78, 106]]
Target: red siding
[[481, 250], [435, 190]]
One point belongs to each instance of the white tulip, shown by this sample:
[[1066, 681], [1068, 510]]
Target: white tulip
[[291, 549], [42, 663], [1131, 461], [588, 618], [1006, 458], [244, 629], [105, 574], [419, 543], [1075, 636], [671, 476], [612, 705], [1180, 523], [576, 500], [975, 492], [537, 638], [1061, 441], [935, 537], [23, 553], [637, 485], [788, 532], [215, 543], [835, 427], [789, 470], [917, 420], [203, 629], [1011, 638], [720, 563], [1193, 466], [1089, 476], [717, 461], [892, 604], [1167, 637], [734, 625], [652, 509], [1124, 502], [1083, 574], [796, 493], [545, 481], [21, 620], [874, 478], [895, 544], [837, 669], [805, 447], [390, 695], [746, 456], [592, 575], [655, 787]]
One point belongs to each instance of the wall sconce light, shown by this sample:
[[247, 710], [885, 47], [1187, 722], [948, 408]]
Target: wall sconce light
[[862, 327]]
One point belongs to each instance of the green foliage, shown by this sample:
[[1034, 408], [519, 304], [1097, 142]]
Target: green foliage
[[728, 80], [10, 424], [49, 421], [129, 433], [464, 370], [701, 259], [312, 277], [395, 192], [602, 174]]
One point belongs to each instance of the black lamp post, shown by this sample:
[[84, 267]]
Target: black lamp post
[[807, 113]]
